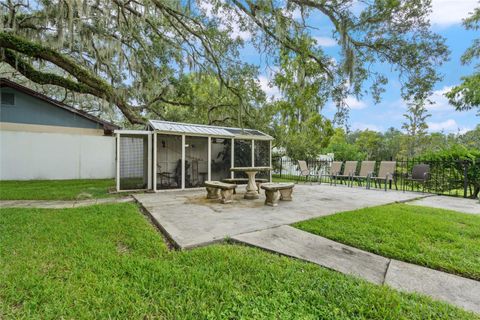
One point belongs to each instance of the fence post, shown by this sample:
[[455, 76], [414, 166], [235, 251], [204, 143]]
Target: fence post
[[465, 178]]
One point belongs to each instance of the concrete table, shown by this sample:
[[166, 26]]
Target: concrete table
[[252, 191]]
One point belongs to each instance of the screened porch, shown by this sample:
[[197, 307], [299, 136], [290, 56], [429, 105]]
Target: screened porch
[[170, 155]]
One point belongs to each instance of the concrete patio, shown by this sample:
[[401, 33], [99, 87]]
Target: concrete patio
[[190, 220]]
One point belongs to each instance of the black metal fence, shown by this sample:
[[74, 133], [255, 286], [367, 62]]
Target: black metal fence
[[455, 177]]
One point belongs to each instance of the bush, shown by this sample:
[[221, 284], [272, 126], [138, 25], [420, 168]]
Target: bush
[[456, 159]]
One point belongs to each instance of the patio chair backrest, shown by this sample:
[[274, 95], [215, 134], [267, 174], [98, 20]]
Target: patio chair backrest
[[350, 168], [336, 167], [302, 164], [387, 168], [420, 171], [367, 168]]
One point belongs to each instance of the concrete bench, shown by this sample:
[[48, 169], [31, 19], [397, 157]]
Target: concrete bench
[[258, 181], [275, 191], [220, 190]]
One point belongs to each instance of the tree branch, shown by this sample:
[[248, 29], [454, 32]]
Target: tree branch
[[86, 80]]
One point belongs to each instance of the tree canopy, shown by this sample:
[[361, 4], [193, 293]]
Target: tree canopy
[[137, 55]]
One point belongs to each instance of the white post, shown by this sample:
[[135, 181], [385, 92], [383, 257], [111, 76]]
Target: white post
[[253, 153], [118, 162], [154, 161], [183, 161], [232, 160], [149, 161], [270, 159], [209, 175]]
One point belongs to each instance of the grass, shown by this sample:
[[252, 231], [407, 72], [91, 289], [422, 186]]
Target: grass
[[439, 239], [55, 189], [107, 261]]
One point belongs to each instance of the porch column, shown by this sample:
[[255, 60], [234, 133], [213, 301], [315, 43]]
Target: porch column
[[149, 161], [209, 175], [183, 161], [270, 158], [232, 164], [253, 153], [154, 161], [118, 162]]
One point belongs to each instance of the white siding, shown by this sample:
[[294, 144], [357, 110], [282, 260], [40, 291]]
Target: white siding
[[33, 155]]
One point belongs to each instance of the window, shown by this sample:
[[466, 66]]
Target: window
[[8, 99]]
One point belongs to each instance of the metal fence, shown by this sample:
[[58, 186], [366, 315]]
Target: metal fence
[[455, 177]]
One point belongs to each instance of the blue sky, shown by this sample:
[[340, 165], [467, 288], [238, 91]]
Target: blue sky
[[446, 19]]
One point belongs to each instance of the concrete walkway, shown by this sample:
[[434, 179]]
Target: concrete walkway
[[296, 243], [471, 206], [59, 204]]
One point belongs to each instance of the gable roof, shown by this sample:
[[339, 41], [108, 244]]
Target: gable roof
[[108, 127]]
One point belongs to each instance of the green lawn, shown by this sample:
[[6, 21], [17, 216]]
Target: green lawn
[[109, 262], [436, 238], [55, 189]]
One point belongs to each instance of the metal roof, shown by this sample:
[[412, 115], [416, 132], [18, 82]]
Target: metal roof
[[205, 130]]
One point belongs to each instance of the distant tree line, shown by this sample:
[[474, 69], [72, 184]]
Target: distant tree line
[[395, 144]]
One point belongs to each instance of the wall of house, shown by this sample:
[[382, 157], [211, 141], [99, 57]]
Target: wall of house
[[31, 110], [28, 155]]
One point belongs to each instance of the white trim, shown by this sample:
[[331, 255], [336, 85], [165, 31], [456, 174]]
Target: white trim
[[253, 153], [149, 162], [242, 137], [183, 161], [209, 174], [204, 135], [117, 177], [154, 161], [232, 160], [133, 131]]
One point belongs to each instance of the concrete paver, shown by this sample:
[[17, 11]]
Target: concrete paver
[[299, 244], [471, 206], [456, 290]]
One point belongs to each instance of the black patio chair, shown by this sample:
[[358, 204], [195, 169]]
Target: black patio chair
[[420, 174]]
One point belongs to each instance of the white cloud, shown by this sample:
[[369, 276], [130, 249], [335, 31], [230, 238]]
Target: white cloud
[[440, 102], [326, 41], [364, 126], [272, 92], [448, 12], [355, 104], [447, 125]]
